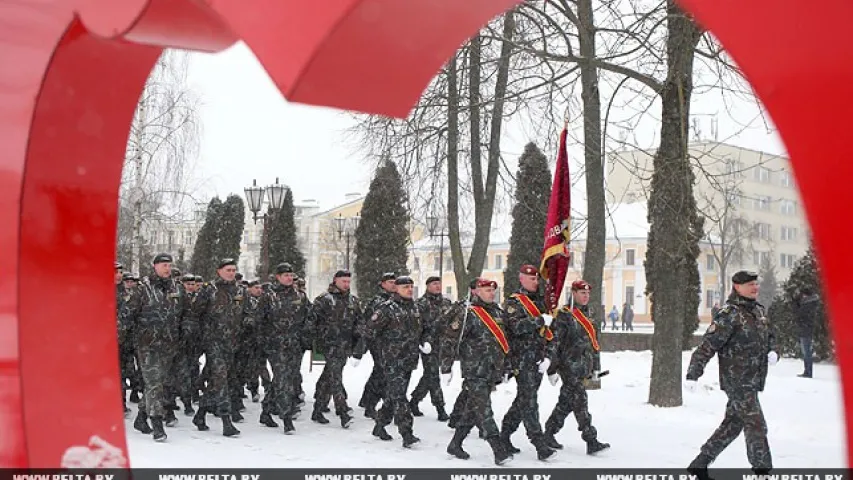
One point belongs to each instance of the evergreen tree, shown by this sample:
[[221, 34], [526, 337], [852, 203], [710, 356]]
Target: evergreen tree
[[532, 194], [282, 243], [181, 261], [230, 231], [382, 236], [804, 275], [203, 260], [767, 287], [692, 294]]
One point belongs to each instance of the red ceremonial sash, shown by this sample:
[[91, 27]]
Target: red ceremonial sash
[[588, 326], [534, 312], [493, 326]]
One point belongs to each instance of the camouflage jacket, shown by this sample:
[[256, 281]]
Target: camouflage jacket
[[154, 309], [572, 351], [477, 348], [434, 307], [370, 308], [122, 328], [221, 307], [286, 320], [398, 327], [336, 316], [741, 336], [190, 321], [525, 331], [253, 312]]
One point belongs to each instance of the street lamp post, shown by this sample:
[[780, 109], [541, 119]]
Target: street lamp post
[[275, 199], [433, 224], [347, 228]]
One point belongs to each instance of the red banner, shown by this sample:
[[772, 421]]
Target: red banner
[[555, 254]]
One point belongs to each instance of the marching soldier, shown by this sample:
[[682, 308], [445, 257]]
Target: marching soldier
[[249, 348], [190, 344], [397, 329], [125, 353], [336, 316], [433, 303], [528, 329], [477, 337], [743, 339], [375, 386], [221, 306], [572, 354], [456, 309]]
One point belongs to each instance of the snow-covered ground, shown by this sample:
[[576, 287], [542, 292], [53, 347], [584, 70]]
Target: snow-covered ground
[[805, 420]]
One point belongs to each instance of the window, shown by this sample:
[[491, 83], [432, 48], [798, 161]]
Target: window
[[629, 294], [449, 291], [762, 203], [417, 266], [710, 262], [788, 207], [762, 174], [786, 179], [734, 168], [789, 234], [436, 263], [762, 231], [709, 298], [629, 256], [787, 260], [499, 262], [188, 237], [760, 257]]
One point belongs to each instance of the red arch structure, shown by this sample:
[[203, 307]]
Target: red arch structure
[[72, 72]]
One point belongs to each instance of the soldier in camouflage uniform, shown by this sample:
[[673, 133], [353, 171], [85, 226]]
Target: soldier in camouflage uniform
[[397, 329], [433, 304], [336, 316], [190, 349], [221, 306], [571, 357], [154, 308], [130, 364], [286, 317], [478, 338], [375, 386], [456, 309], [123, 343], [248, 345], [528, 328], [743, 339]]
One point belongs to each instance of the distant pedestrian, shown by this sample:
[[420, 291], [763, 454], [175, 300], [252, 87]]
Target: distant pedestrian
[[806, 312], [627, 318], [613, 316]]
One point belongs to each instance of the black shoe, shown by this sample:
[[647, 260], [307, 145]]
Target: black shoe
[[761, 470], [236, 416], [189, 410], [805, 375], [199, 419], [379, 431], [170, 418], [502, 456], [509, 446], [455, 446], [543, 452], [288, 425], [442, 415], [346, 420], [552, 442], [228, 428], [409, 440], [699, 467], [319, 418], [141, 423], [416, 411], [267, 420], [595, 446], [157, 429]]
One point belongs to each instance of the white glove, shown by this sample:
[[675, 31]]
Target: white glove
[[446, 378], [426, 349], [772, 358], [547, 319], [353, 362], [554, 378], [544, 365]]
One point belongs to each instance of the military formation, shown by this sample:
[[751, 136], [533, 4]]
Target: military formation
[[254, 335]]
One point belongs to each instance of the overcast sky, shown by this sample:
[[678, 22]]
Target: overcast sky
[[251, 132]]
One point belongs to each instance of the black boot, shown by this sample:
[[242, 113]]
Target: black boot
[[551, 442], [228, 428], [240, 407], [346, 419], [267, 420], [594, 446], [455, 446], [188, 409], [157, 429], [416, 411], [409, 439], [699, 467], [502, 456], [170, 418], [505, 437], [134, 396], [442, 415], [370, 412], [317, 416], [199, 419], [543, 451], [236, 416], [379, 431], [288, 425], [255, 396], [141, 422]]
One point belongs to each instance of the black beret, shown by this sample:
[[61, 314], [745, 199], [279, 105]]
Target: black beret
[[254, 283], [404, 280], [188, 278], [238, 277], [473, 283], [161, 258], [300, 281], [744, 276], [118, 266], [176, 273], [199, 278], [342, 273], [226, 262], [432, 279], [388, 276], [127, 276], [283, 268]]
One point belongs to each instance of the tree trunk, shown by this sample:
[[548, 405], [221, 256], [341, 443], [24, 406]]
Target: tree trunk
[[593, 266], [453, 177], [670, 215]]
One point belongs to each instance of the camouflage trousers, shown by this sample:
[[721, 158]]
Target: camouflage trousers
[[429, 382], [251, 363], [525, 406], [743, 413], [375, 387], [285, 364], [477, 407], [221, 386], [395, 406], [330, 385], [572, 398], [130, 374], [189, 370], [155, 363]]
